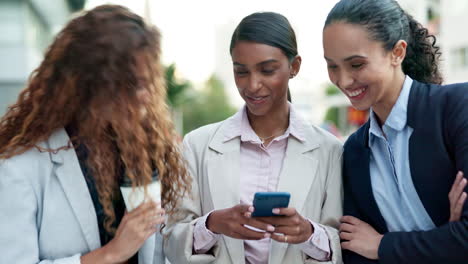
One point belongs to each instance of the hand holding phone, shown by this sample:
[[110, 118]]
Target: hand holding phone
[[290, 226]]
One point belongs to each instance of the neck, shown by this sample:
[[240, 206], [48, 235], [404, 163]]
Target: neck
[[274, 123], [383, 108]]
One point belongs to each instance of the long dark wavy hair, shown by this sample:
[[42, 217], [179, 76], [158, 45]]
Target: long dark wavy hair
[[90, 79], [388, 23]]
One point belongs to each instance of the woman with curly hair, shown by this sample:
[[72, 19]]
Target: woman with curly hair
[[403, 170], [92, 113]]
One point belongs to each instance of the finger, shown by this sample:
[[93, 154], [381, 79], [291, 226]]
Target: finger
[[276, 221], [285, 211], [244, 208], [456, 211], [346, 235], [258, 224], [350, 220], [249, 234], [157, 221], [150, 232], [346, 245], [150, 214], [142, 209], [345, 227], [460, 187], [285, 238], [458, 178], [280, 220], [289, 230]]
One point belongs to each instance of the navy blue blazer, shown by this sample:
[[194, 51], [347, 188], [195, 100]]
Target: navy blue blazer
[[438, 148]]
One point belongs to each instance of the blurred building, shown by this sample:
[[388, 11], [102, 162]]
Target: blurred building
[[454, 40], [26, 29]]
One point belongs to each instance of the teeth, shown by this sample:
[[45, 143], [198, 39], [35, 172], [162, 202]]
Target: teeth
[[356, 92]]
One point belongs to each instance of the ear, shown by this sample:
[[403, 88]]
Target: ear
[[399, 52], [295, 66]]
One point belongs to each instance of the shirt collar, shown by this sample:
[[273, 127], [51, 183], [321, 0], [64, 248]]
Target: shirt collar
[[239, 126], [398, 115]]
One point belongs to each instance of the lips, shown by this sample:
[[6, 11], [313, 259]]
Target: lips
[[256, 99], [356, 93]]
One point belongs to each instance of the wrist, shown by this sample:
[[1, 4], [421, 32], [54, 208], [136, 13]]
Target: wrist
[[210, 220], [309, 230], [103, 255], [109, 255]]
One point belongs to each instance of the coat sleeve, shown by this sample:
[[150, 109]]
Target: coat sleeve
[[18, 218], [332, 208], [178, 246], [350, 208], [447, 243]]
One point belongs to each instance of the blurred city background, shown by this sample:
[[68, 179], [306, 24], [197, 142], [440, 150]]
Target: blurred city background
[[196, 37]]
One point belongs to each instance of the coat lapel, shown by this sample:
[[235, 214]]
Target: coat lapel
[[420, 118], [69, 174], [358, 162], [296, 177], [223, 172]]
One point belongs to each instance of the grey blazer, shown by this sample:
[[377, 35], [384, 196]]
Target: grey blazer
[[311, 173], [46, 212]]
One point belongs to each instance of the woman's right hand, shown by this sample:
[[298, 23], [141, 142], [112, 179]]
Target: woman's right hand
[[132, 232], [231, 222], [457, 197]]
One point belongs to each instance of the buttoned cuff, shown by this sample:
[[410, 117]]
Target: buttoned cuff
[[203, 238], [318, 244]]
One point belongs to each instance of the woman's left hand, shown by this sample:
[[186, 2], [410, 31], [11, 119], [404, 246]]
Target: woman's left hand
[[290, 226], [361, 237]]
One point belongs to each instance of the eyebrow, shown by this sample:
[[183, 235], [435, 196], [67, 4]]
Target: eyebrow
[[258, 64], [349, 58]]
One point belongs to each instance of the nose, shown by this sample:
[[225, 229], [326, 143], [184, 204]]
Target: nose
[[344, 79], [255, 83]]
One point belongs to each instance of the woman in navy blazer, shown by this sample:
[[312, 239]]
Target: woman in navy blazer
[[403, 170]]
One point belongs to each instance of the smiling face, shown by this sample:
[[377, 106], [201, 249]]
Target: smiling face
[[359, 66], [262, 73]]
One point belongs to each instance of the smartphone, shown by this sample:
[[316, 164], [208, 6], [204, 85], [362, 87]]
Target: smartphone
[[265, 202]]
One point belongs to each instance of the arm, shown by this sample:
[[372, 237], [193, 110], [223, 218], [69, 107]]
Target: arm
[[350, 208], [18, 222], [18, 228], [179, 231], [332, 208]]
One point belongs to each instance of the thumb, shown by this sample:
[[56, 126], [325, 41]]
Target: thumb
[[245, 208]]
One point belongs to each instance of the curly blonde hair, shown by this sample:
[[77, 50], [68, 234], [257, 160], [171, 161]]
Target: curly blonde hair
[[90, 79]]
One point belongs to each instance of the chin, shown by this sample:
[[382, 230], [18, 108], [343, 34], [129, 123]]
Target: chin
[[361, 107], [257, 111]]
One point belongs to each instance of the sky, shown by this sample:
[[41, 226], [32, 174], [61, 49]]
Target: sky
[[190, 37]]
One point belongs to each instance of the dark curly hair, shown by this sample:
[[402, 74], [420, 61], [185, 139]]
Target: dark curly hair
[[388, 23], [91, 79]]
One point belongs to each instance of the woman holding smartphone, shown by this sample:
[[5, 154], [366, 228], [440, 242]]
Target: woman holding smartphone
[[92, 112], [403, 169], [265, 147]]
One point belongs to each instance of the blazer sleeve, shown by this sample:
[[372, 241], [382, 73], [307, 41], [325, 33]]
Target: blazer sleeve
[[18, 218], [178, 246], [447, 243], [350, 208], [332, 208]]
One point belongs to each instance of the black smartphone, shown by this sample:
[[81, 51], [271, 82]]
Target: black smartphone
[[265, 202]]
